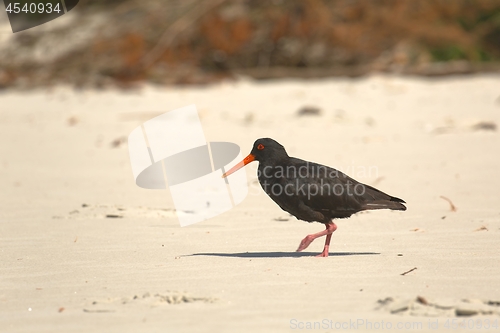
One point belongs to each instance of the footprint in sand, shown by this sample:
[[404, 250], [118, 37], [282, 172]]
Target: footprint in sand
[[147, 299], [87, 211], [420, 306]]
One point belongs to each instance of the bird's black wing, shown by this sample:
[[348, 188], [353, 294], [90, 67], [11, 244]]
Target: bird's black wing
[[314, 192]]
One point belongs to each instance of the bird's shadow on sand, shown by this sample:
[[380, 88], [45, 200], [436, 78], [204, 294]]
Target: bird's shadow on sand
[[280, 254]]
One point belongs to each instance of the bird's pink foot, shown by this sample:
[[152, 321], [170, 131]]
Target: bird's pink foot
[[324, 254], [330, 228], [305, 243]]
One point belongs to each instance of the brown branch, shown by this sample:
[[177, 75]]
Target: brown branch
[[453, 208], [411, 270], [178, 27]]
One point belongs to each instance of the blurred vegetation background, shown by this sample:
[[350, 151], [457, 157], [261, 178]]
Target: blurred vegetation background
[[109, 42]]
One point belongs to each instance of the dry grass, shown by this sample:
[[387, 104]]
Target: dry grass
[[217, 37]]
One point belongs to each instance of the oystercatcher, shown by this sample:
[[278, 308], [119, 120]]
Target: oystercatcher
[[311, 191]]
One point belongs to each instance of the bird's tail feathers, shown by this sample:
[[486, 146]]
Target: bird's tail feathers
[[396, 204]]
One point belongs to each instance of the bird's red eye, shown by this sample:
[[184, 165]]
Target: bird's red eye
[[260, 146]]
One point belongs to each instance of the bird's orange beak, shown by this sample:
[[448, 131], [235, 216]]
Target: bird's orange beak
[[246, 160]]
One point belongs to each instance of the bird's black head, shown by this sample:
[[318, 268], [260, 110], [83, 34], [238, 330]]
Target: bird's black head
[[264, 150], [267, 149]]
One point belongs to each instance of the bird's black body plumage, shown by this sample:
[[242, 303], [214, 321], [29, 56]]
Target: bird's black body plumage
[[311, 191]]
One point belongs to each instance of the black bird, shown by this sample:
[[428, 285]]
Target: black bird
[[311, 191]]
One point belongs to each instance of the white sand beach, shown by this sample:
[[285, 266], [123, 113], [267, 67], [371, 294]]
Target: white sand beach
[[83, 249]]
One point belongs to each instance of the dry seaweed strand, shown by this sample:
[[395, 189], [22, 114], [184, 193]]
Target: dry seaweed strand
[[453, 208], [411, 270]]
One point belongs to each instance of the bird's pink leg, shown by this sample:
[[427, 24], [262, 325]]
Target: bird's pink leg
[[330, 228], [327, 246]]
